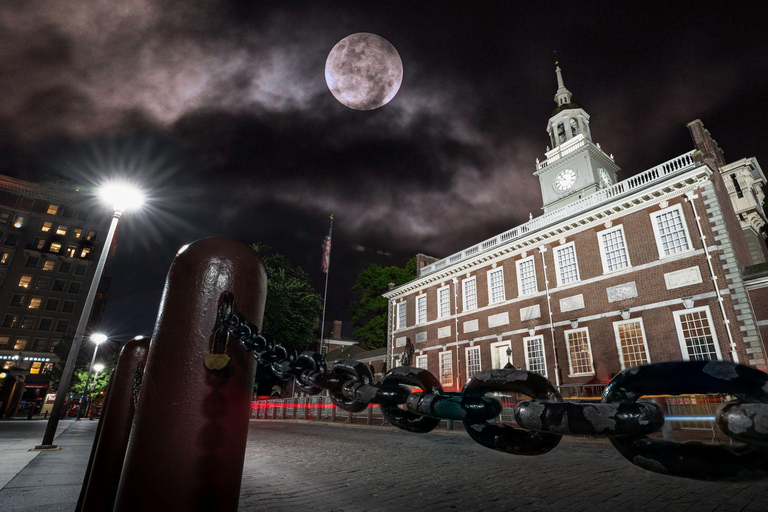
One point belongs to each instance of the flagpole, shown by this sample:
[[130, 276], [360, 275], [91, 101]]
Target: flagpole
[[325, 294]]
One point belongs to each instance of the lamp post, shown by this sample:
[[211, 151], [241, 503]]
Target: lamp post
[[509, 365], [121, 197], [97, 369], [97, 339]]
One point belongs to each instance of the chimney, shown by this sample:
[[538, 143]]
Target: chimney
[[337, 329]]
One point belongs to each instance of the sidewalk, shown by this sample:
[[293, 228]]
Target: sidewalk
[[34, 481]]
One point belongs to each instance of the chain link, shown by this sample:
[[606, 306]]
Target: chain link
[[620, 417]]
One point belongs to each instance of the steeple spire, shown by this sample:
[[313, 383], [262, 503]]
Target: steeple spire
[[563, 95]]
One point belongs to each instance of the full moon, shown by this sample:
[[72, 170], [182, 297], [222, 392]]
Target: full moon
[[364, 71]]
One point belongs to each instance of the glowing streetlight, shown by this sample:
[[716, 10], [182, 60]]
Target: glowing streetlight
[[121, 197], [97, 339]]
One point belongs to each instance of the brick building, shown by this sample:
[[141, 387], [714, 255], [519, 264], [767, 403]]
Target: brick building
[[50, 241], [615, 273]]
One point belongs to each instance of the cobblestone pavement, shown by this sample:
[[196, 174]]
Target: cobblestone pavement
[[306, 466]]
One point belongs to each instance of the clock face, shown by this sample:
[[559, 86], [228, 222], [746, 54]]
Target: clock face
[[565, 180], [605, 178]]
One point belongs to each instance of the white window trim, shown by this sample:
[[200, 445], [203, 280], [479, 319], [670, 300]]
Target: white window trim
[[466, 360], [440, 367], [657, 235], [543, 352], [419, 298], [464, 293], [603, 254], [503, 288], [568, 348], [616, 326], [556, 253], [681, 338], [518, 264], [439, 304], [494, 354], [422, 357], [404, 315]]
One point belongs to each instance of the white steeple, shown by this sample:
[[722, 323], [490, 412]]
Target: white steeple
[[563, 95]]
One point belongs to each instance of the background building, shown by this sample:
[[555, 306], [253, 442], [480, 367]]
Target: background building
[[614, 274], [50, 241]]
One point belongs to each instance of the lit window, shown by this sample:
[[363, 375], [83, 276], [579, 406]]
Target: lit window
[[630, 340], [61, 230], [698, 341], [421, 362], [469, 286], [444, 302], [25, 281], [579, 351], [62, 325], [446, 368], [20, 221], [45, 324], [21, 344], [55, 247], [10, 321], [421, 309], [72, 251], [86, 252], [46, 226], [35, 368], [535, 359], [526, 276], [17, 301], [7, 365], [74, 287], [91, 236], [671, 232], [39, 243], [567, 266], [77, 232], [473, 361], [48, 264], [42, 283], [52, 305], [34, 302], [5, 258], [53, 209], [4, 341], [496, 285], [28, 322], [613, 249], [401, 312]]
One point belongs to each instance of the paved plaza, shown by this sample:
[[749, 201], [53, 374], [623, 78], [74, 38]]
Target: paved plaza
[[308, 466]]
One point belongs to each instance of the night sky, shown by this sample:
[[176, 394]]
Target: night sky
[[221, 111]]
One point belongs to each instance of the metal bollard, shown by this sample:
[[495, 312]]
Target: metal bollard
[[369, 418], [187, 444], [88, 468], [103, 477]]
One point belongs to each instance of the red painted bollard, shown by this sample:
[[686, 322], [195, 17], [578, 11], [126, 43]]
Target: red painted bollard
[[100, 488], [187, 445]]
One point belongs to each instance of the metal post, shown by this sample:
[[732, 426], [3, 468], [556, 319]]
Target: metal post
[[88, 468], [369, 416], [69, 367], [87, 383], [187, 445]]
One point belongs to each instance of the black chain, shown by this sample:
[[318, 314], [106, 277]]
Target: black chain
[[546, 418]]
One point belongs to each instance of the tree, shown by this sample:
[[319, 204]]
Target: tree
[[293, 306], [81, 376], [369, 311]]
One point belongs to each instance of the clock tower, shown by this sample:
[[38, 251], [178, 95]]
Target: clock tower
[[575, 167]]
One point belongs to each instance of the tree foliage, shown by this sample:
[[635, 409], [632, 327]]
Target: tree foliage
[[293, 306], [81, 376], [369, 311]]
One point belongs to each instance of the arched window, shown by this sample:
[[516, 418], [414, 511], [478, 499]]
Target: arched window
[[574, 128], [561, 132]]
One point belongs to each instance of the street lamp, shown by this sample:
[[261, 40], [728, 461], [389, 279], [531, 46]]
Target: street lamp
[[97, 338], [121, 197], [97, 369]]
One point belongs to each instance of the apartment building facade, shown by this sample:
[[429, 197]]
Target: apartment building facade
[[614, 274]]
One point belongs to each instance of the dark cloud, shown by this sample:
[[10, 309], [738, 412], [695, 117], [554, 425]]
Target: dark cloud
[[223, 109]]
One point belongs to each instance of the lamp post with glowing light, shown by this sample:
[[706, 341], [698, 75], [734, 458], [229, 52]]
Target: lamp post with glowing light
[[97, 338], [121, 197], [97, 368]]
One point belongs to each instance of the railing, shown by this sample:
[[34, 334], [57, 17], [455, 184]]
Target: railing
[[663, 171], [561, 153]]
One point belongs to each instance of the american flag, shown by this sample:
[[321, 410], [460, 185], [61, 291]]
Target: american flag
[[326, 253]]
